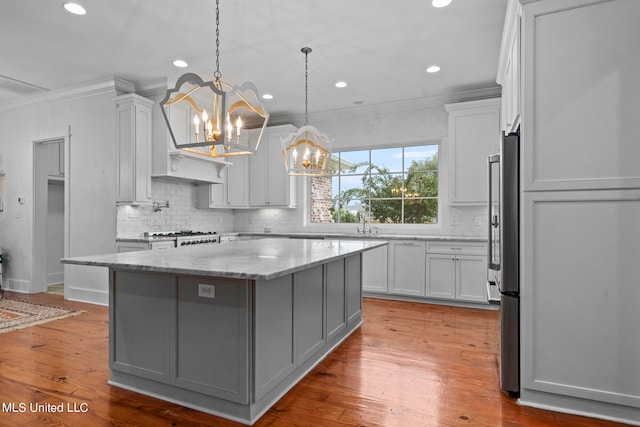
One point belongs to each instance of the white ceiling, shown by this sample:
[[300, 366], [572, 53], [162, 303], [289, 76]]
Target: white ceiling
[[380, 48]]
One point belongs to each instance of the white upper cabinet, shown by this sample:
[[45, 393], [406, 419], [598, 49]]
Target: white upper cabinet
[[55, 160], [269, 183], [254, 180], [238, 182], [580, 92], [133, 147], [509, 69], [186, 164], [474, 134]]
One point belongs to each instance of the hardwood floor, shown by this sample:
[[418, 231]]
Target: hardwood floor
[[410, 364]]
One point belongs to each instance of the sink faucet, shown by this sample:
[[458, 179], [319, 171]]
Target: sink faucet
[[363, 221]]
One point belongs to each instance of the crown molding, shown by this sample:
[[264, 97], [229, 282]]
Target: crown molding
[[388, 108], [114, 84]]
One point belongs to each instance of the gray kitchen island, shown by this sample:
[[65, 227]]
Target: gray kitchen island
[[229, 329]]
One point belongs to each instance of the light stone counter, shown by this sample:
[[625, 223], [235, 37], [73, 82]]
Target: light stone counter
[[262, 259], [374, 236]]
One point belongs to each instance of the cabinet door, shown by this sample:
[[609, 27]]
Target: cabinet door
[[160, 246], [441, 276], [237, 182], [471, 276], [408, 268], [278, 178], [474, 132], [133, 149], [258, 175], [353, 285], [131, 246], [269, 183], [55, 160], [374, 270], [336, 298], [309, 312]]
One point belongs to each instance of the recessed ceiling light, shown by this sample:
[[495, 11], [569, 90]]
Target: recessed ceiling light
[[180, 63], [440, 3], [341, 84], [75, 8], [433, 69], [267, 96]]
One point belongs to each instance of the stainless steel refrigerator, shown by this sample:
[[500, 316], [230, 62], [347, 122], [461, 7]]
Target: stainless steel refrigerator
[[503, 255]]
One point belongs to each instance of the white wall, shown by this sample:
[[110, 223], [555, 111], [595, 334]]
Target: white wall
[[89, 112]]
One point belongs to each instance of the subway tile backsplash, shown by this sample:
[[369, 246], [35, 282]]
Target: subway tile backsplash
[[470, 221], [180, 215]]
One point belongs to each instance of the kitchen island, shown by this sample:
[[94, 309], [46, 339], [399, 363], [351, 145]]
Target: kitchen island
[[229, 329]]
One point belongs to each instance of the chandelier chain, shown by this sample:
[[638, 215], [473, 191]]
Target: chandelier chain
[[306, 87], [217, 73]]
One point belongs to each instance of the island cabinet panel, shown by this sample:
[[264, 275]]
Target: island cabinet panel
[[309, 321], [141, 328], [230, 343], [274, 356], [213, 337], [336, 299], [353, 278]]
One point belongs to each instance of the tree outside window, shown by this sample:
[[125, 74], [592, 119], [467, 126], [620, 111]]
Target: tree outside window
[[385, 186]]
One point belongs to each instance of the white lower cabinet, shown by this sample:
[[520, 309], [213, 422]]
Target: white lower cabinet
[[456, 271], [374, 270], [144, 246], [441, 276], [451, 270], [407, 268]]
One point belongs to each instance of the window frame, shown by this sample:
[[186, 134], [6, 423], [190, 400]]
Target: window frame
[[405, 227]]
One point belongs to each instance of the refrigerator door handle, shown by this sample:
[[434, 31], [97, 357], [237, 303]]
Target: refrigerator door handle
[[493, 221]]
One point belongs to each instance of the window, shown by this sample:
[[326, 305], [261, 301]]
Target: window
[[384, 186]]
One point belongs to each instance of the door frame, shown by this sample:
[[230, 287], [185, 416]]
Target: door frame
[[40, 208]]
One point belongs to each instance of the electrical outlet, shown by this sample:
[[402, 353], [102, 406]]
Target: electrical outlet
[[476, 220], [206, 291], [456, 220]]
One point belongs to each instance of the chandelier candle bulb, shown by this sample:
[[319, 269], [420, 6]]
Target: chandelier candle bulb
[[224, 100], [310, 138]]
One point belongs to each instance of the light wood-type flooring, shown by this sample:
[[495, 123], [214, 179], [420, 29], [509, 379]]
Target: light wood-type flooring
[[410, 364]]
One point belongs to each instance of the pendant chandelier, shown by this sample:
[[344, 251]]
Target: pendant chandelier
[[214, 113], [306, 152]]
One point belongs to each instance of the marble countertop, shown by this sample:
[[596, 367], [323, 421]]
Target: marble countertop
[[315, 235], [381, 236], [261, 259]]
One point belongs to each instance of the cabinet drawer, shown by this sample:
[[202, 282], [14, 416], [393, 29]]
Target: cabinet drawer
[[478, 248]]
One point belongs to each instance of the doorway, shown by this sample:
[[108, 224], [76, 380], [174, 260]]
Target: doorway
[[49, 216]]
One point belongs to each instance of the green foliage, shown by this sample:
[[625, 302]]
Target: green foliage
[[345, 216], [381, 194]]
